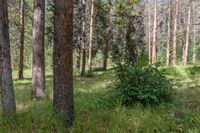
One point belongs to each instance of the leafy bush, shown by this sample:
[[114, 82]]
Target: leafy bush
[[146, 85]]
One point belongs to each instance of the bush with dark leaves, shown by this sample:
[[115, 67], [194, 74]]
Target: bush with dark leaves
[[146, 85]]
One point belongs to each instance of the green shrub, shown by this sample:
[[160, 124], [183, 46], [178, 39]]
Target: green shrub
[[146, 85]]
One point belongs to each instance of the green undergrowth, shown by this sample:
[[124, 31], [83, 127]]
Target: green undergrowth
[[97, 112]]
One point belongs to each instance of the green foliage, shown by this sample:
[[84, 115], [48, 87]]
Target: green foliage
[[146, 85], [182, 72], [96, 110]]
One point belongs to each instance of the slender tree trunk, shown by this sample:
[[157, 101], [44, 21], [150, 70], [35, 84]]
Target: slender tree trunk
[[183, 46], [63, 99], [154, 34], [79, 24], [184, 32], [83, 38], [21, 57], [107, 36], [149, 33], [78, 58], [6, 81], [194, 39], [83, 62], [91, 36], [187, 36], [175, 33], [194, 47], [106, 50], [38, 65], [168, 35]]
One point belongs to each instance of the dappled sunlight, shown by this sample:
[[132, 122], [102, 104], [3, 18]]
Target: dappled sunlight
[[22, 106], [95, 109]]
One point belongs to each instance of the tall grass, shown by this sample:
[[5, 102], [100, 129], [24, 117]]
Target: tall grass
[[96, 112]]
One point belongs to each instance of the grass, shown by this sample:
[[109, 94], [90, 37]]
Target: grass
[[97, 112]]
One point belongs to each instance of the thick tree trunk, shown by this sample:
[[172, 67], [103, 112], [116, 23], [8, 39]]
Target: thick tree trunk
[[21, 57], [168, 36], [187, 36], [63, 99], [154, 34], [90, 36], [6, 81], [38, 65], [175, 33]]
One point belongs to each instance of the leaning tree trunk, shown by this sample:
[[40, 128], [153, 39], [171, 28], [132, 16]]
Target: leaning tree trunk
[[63, 99], [38, 65], [6, 81], [175, 33], [21, 56], [154, 34]]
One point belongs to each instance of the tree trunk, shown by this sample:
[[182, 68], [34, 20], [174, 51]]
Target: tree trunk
[[78, 24], [91, 36], [154, 33], [78, 58], [6, 81], [187, 36], [175, 33], [106, 50], [38, 66], [183, 45], [194, 39], [168, 36], [21, 57], [63, 99], [83, 38], [83, 62], [149, 33]]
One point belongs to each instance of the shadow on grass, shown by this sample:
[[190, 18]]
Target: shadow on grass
[[95, 112]]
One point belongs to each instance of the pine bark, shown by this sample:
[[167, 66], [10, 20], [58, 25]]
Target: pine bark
[[63, 99], [21, 57], [38, 64], [6, 81], [175, 33]]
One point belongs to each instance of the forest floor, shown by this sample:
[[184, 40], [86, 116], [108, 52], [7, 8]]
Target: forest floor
[[97, 112]]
